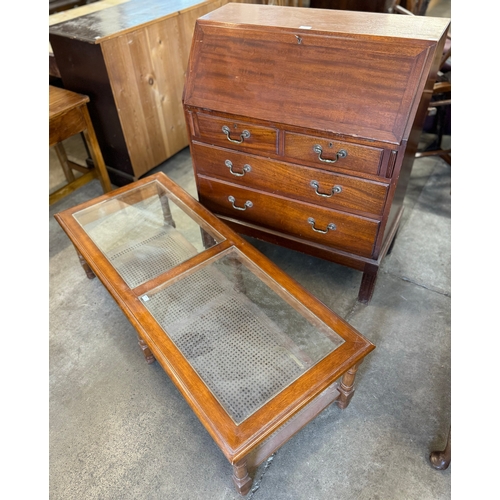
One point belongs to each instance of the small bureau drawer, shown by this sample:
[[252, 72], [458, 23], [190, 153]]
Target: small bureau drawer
[[328, 227], [330, 154], [237, 135], [311, 185]]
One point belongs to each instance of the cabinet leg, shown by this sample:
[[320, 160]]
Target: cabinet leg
[[367, 286], [90, 274], [441, 459], [346, 387], [150, 359], [241, 479]]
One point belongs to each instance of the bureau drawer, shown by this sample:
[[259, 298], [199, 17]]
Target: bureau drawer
[[332, 228], [331, 154], [311, 185], [237, 135]]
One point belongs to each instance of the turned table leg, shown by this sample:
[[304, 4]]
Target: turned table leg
[[90, 274], [241, 479], [441, 459], [346, 387], [150, 359]]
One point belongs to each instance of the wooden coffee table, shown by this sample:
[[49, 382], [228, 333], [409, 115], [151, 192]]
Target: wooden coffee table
[[253, 353]]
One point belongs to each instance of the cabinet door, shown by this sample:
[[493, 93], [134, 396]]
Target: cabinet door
[[146, 74]]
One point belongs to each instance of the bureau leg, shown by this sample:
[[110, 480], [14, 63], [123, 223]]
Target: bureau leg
[[367, 286], [90, 274], [346, 387], [241, 479], [150, 359]]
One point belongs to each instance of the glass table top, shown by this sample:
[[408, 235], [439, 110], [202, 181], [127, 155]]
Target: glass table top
[[246, 341], [245, 336], [145, 232]]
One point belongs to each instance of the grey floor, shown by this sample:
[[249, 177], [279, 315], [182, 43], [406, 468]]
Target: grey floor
[[119, 429]]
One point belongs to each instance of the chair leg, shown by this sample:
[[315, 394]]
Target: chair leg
[[441, 459]]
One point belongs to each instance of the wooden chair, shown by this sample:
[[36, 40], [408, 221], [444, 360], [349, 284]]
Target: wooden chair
[[68, 116], [439, 109]]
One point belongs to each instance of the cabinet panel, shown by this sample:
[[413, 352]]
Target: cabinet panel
[[295, 181], [327, 227], [145, 66]]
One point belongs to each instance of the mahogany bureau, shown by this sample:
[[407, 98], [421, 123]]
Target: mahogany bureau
[[303, 124]]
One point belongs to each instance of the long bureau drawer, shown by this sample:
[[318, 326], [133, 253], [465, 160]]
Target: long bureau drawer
[[311, 185], [236, 134], [327, 153], [328, 227]]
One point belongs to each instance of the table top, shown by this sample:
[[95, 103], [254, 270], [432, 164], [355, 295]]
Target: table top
[[82, 10], [62, 100], [246, 345]]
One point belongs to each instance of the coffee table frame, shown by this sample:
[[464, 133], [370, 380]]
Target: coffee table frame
[[248, 444]]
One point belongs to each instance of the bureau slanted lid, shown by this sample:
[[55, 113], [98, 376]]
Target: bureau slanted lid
[[359, 74]]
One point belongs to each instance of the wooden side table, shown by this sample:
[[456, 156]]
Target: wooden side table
[[68, 116]]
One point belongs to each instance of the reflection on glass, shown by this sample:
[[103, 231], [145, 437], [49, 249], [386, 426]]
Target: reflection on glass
[[247, 339], [144, 232]]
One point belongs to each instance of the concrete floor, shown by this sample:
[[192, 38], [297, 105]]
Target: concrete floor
[[119, 429]]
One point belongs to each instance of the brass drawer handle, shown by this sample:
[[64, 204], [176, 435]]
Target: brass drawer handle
[[330, 226], [248, 204], [244, 135], [335, 190], [341, 153], [246, 168]]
